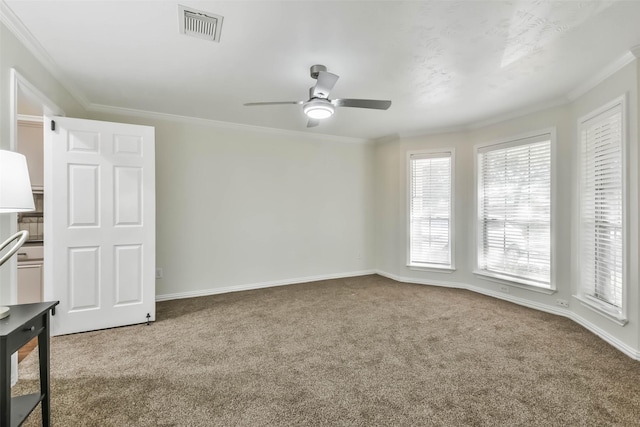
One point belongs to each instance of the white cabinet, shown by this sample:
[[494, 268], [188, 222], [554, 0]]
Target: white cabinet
[[30, 277], [30, 282]]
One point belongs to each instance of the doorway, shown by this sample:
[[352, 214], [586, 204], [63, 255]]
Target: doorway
[[28, 107], [28, 103]]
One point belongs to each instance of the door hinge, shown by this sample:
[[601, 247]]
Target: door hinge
[[53, 125]]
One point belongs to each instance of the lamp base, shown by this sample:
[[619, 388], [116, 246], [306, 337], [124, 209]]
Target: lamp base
[[4, 312]]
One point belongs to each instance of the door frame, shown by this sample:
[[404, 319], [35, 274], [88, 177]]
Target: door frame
[[20, 84]]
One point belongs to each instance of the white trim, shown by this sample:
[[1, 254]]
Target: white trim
[[621, 102], [515, 282], [17, 28], [98, 108], [30, 119], [433, 268], [604, 74], [451, 152], [443, 130], [18, 82], [522, 138], [621, 346], [574, 94], [512, 115], [601, 308], [519, 139], [615, 342], [260, 285], [607, 337], [13, 23], [479, 124]]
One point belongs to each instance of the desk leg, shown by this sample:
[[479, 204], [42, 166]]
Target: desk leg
[[5, 385], [43, 354]]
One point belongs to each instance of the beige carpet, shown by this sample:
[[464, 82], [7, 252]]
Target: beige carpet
[[360, 351]]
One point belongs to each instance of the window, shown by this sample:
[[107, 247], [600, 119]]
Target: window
[[602, 172], [430, 208], [514, 211]]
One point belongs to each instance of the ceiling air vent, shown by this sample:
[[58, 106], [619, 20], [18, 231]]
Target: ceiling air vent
[[203, 25]]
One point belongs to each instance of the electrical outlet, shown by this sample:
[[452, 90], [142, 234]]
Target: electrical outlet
[[504, 288], [159, 273], [562, 303]]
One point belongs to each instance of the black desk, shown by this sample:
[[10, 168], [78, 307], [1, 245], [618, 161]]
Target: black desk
[[25, 322]]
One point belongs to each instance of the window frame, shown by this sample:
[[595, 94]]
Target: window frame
[[603, 308], [517, 140], [441, 268]]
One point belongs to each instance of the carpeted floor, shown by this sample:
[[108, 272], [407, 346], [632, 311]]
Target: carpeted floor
[[361, 351]]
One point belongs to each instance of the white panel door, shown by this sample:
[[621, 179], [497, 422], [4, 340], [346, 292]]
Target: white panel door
[[99, 223]]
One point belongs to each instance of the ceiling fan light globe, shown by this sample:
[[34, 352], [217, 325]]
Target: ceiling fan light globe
[[318, 109]]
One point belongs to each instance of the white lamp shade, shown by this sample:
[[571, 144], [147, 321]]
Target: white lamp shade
[[15, 186]]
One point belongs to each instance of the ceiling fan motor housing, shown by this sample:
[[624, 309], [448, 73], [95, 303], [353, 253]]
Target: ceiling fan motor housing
[[315, 70]]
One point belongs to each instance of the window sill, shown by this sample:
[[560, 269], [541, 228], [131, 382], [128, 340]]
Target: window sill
[[431, 267], [505, 280], [601, 308]]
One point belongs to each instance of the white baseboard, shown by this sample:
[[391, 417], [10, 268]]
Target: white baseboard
[[260, 285], [615, 342], [626, 349]]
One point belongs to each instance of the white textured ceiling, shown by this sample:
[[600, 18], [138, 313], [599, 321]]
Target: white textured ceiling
[[442, 63]]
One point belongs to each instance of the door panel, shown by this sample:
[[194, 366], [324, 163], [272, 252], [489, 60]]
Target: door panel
[[100, 221], [128, 284], [128, 196], [84, 203], [84, 278]]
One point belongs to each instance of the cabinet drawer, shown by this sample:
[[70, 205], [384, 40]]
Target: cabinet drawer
[[23, 335]]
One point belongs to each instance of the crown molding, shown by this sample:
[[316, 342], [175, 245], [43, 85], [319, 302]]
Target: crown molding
[[386, 139], [107, 109], [17, 28], [13, 23], [604, 74], [542, 106], [493, 120], [432, 131]]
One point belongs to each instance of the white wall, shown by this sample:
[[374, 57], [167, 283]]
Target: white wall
[[239, 208], [391, 206]]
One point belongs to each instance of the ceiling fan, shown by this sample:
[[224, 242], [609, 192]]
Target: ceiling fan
[[319, 106]]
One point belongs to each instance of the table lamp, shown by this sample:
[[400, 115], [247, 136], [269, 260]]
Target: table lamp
[[15, 196]]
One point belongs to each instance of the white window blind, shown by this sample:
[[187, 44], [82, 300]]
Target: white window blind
[[430, 210], [514, 211], [601, 208]]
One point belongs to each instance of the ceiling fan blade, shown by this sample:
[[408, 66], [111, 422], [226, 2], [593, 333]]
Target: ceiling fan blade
[[313, 123], [326, 82], [375, 104], [251, 104]]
